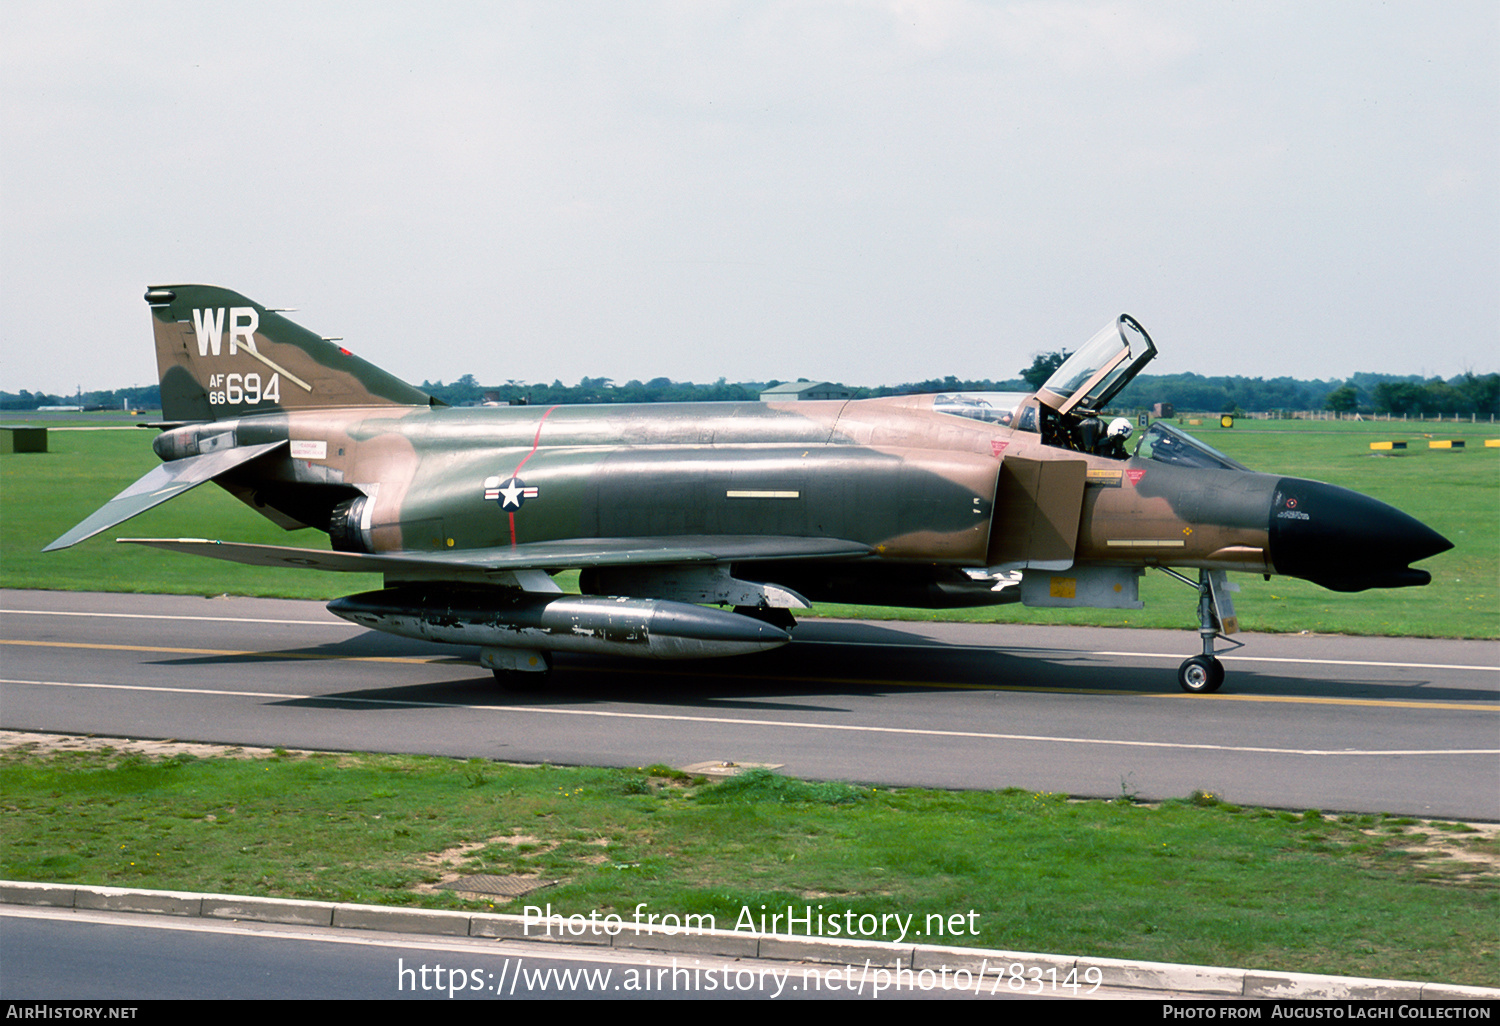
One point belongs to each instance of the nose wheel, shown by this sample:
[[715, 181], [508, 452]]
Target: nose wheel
[[1200, 675], [1203, 674]]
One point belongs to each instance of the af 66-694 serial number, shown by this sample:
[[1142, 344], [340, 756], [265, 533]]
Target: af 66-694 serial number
[[235, 389]]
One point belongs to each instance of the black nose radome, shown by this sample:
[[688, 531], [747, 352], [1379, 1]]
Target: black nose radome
[[1346, 541]]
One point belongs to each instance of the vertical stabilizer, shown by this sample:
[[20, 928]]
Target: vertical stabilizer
[[220, 355]]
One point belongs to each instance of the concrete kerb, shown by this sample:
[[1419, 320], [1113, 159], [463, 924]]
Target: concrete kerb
[[1208, 981]]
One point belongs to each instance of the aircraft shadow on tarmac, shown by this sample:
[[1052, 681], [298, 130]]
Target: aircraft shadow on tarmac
[[856, 659]]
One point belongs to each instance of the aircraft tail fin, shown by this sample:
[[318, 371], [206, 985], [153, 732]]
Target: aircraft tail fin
[[221, 355]]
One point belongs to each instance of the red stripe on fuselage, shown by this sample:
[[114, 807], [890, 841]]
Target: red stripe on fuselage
[[534, 442], [517, 472]]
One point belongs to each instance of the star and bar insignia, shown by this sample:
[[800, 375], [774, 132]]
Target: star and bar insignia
[[510, 492]]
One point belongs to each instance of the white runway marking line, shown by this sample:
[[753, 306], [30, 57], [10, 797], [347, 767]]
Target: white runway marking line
[[1161, 655], [797, 724], [860, 644], [1316, 662], [165, 616]]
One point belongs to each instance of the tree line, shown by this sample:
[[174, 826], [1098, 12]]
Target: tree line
[[141, 397], [1411, 395], [1367, 393]]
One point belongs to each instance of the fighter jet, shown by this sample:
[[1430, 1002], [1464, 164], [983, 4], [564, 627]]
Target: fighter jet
[[700, 527]]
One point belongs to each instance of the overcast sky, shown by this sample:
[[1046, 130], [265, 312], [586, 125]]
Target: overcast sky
[[858, 191]]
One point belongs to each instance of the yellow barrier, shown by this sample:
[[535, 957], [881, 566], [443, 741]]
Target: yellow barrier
[[1387, 445], [1451, 443]]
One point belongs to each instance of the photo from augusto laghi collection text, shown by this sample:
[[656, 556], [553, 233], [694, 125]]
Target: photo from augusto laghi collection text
[[1350, 1009]]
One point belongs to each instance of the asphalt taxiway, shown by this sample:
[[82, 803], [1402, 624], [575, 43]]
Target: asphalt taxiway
[[1407, 726]]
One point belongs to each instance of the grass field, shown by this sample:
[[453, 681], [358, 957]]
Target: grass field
[[1193, 881], [1456, 492]]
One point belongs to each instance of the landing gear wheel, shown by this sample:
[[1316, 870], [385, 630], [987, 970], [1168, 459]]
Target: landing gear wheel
[[521, 680], [1200, 675], [775, 616]]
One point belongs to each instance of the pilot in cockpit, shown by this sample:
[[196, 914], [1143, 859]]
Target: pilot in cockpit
[[1093, 437], [1113, 446]]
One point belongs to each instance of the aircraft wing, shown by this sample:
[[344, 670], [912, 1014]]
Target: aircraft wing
[[160, 484], [477, 564]]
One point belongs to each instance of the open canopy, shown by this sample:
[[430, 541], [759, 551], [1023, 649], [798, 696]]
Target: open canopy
[[1089, 378]]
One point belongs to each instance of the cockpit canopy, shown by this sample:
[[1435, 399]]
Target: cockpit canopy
[[993, 407], [1091, 377], [1066, 408]]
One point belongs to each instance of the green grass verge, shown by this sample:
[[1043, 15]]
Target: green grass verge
[[1457, 493], [1193, 881]]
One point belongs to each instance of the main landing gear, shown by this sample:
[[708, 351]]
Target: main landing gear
[[773, 615], [1203, 674]]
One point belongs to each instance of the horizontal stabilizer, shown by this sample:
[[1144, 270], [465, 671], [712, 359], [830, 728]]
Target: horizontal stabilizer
[[475, 564], [160, 484]]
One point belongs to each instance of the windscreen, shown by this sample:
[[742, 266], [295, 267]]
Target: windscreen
[[1166, 444]]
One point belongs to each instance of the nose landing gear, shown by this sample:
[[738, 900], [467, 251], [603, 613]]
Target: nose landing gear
[[1203, 674]]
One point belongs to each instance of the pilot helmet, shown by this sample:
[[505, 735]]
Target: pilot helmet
[[1120, 428]]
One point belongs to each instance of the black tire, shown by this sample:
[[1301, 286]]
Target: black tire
[[776, 617], [521, 680], [1200, 675]]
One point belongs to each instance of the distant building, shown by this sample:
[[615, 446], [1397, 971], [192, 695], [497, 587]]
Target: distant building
[[797, 391]]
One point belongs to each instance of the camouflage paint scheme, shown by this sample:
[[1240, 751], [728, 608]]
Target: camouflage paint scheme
[[756, 505]]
